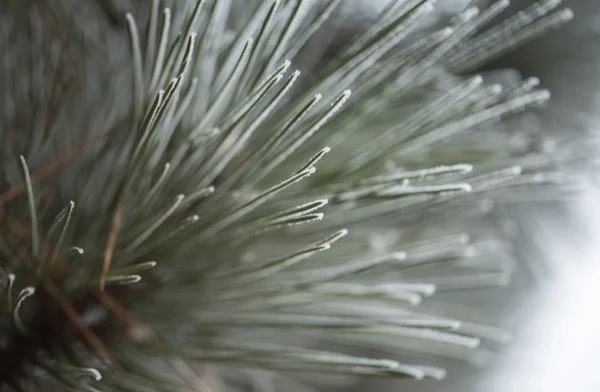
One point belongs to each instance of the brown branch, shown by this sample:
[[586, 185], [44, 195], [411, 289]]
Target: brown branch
[[113, 305], [73, 316], [135, 327], [112, 235], [51, 167], [19, 230]]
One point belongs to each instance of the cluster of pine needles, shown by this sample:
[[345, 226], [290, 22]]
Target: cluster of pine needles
[[181, 211]]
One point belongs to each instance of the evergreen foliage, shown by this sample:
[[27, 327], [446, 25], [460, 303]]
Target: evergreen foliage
[[185, 213]]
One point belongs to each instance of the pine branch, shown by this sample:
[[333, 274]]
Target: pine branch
[[232, 215]]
